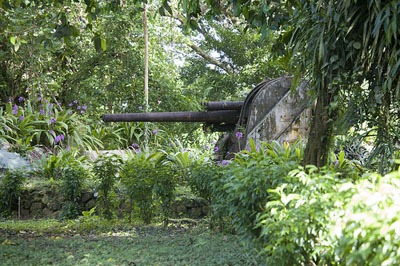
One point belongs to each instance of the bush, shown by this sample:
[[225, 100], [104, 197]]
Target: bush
[[106, 170], [165, 184], [320, 217], [73, 177], [297, 216], [137, 175], [242, 191], [51, 165], [10, 189], [367, 231]]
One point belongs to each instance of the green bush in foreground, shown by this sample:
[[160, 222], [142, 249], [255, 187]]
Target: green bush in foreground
[[317, 218], [10, 189], [242, 191]]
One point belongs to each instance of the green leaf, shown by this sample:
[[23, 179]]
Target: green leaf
[[12, 40], [357, 45], [103, 44]]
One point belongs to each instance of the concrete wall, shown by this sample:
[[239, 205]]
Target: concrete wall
[[277, 113]]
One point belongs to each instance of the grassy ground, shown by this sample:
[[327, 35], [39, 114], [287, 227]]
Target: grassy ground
[[50, 242]]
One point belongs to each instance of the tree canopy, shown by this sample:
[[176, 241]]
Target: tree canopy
[[348, 50]]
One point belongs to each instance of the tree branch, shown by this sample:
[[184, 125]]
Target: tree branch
[[210, 59]]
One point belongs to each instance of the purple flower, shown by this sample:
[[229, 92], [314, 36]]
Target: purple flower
[[10, 99], [185, 150], [22, 117], [21, 99], [50, 105], [82, 112], [68, 148], [171, 144], [138, 150], [28, 89], [70, 112], [79, 107], [45, 101], [239, 135], [140, 107], [39, 98], [224, 162], [59, 138], [158, 102], [361, 156], [218, 162], [70, 104], [84, 107], [15, 109], [216, 148], [41, 112], [213, 142], [155, 132], [135, 145], [99, 123], [50, 113], [52, 132], [207, 147], [58, 104], [336, 162], [75, 101], [53, 120], [6, 128]]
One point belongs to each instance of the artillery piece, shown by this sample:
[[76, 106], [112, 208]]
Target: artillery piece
[[271, 111]]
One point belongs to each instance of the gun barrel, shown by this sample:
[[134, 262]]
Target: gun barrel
[[213, 106], [227, 116]]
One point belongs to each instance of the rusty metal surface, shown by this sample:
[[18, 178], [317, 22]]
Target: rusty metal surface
[[223, 116], [213, 106], [278, 113]]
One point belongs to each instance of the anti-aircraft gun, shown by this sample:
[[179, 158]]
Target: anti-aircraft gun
[[271, 111]]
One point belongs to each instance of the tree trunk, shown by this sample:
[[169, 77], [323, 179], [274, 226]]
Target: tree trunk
[[321, 132], [146, 58]]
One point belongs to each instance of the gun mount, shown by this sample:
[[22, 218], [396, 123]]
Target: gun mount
[[271, 111]]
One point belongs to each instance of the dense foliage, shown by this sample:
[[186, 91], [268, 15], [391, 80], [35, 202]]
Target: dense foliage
[[64, 63]]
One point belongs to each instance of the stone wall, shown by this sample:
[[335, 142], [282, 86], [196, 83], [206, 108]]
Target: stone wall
[[47, 201]]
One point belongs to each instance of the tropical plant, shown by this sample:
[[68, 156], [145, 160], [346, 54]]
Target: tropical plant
[[50, 165], [138, 177], [73, 177], [106, 169], [10, 189]]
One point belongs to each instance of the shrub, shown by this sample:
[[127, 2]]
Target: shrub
[[297, 216], [51, 165], [106, 170], [137, 175], [10, 189], [242, 191], [320, 217], [73, 177], [165, 184], [367, 230]]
